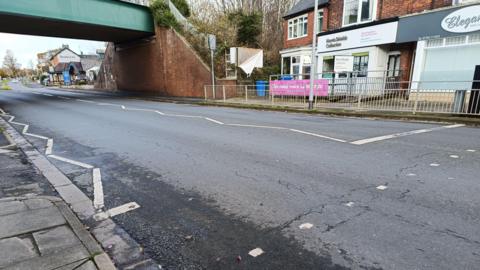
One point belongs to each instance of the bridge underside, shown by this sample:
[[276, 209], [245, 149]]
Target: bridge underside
[[55, 28], [102, 20]]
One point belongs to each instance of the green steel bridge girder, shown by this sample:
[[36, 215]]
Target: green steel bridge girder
[[104, 20]]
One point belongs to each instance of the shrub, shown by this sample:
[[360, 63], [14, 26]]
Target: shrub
[[162, 15]]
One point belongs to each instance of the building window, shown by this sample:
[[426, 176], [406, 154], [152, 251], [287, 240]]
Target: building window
[[393, 65], [320, 22], [298, 27], [432, 43], [358, 11], [474, 38], [360, 65]]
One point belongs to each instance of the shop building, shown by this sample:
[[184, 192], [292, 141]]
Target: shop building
[[383, 41]]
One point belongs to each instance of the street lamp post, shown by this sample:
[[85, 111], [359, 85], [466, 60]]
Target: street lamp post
[[313, 68]]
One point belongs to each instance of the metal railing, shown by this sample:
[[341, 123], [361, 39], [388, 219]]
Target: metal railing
[[449, 97]]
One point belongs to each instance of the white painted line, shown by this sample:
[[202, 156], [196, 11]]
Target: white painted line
[[4, 151], [48, 95], [411, 175], [86, 101], [305, 226], [350, 204], [98, 199], [73, 162], [382, 187], [116, 211], [214, 121], [256, 126], [67, 98], [49, 149], [184, 116], [36, 136], [256, 252], [25, 129], [454, 156], [36, 93], [434, 165], [123, 107], [2, 111], [318, 135], [471, 150], [403, 134], [11, 119], [139, 110], [159, 112]]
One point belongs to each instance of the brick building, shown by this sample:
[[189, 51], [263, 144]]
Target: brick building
[[399, 40]]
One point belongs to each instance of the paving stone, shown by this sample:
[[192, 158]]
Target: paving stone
[[53, 261], [21, 190], [34, 204], [83, 209], [55, 239], [89, 265], [11, 207], [15, 250], [72, 266], [30, 221]]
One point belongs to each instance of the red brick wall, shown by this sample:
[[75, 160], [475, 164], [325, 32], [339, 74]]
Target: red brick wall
[[385, 9], [305, 41], [168, 66]]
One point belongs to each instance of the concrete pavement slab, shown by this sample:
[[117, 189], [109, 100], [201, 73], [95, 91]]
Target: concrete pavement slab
[[12, 207], [15, 250], [30, 221], [56, 239]]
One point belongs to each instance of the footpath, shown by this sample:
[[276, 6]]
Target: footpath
[[37, 228]]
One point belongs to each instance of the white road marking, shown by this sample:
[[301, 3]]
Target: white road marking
[[73, 162], [403, 134], [98, 199], [454, 156], [4, 151], [256, 252], [434, 165], [318, 135], [123, 107], [36, 93], [305, 226], [350, 204], [214, 121], [159, 112], [25, 129], [86, 101], [411, 175], [116, 211], [48, 95], [382, 187], [2, 111], [62, 97], [471, 150], [256, 126], [49, 149], [36, 136], [184, 116]]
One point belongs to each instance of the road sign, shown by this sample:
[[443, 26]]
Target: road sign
[[343, 63], [212, 42]]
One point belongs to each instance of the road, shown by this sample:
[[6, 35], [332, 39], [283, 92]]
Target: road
[[312, 192]]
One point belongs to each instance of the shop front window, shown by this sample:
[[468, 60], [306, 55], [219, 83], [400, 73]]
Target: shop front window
[[358, 11], [328, 64], [360, 65], [393, 65], [298, 27]]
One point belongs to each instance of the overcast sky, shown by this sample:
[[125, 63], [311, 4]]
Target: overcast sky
[[25, 48]]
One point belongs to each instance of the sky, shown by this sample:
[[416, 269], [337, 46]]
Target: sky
[[25, 48]]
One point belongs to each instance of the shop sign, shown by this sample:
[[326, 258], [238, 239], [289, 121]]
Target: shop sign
[[362, 37], [464, 20], [343, 63], [299, 88]]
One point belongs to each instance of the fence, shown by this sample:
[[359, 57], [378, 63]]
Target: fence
[[353, 94]]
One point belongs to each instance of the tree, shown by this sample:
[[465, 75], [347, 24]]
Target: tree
[[249, 27], [10, 64]]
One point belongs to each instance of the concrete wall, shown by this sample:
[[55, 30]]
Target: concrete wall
[[167, 66]]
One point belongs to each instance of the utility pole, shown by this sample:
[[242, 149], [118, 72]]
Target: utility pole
[[313, 68]]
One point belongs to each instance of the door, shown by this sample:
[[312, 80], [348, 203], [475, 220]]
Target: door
[[474, 103], [393, 72]]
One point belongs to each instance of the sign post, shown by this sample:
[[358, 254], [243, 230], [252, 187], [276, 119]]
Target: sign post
[[313, 68], [212, 44]]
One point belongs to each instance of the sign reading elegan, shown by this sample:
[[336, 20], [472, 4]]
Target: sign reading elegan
[[464, 20]]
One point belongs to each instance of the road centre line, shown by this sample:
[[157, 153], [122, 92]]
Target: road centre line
[[73, 162], [214, 121], [318, 135], [48, 95], [256, 126], [403, 134]]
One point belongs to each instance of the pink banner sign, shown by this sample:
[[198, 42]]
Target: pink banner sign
[[298, 88]]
